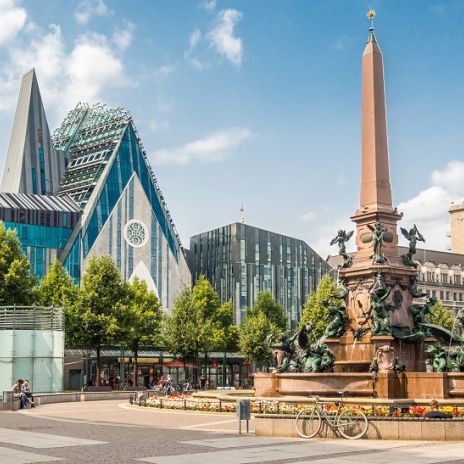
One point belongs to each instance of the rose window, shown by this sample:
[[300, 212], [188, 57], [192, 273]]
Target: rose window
[[135, 233]]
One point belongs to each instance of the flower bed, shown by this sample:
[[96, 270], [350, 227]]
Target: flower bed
[[188, 403]]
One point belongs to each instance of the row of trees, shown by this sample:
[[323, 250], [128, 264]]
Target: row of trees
[[106, 310]]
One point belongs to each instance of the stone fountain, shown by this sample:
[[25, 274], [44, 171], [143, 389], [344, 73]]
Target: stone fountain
[[378, 341]]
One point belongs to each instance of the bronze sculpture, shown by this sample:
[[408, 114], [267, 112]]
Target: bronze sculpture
[[338, 317], [378, 230], [297, 354], [420, 311], [341, 238], [413, 236]]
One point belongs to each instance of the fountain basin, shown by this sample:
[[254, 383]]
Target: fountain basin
[[387, 385]]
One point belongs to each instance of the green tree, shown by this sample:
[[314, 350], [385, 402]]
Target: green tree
[[58, 289], [271, 309], [253, 335], [182, 333], [139, 318], [199, 324], [217, 333], [229, 331], [441, 316], [314, 311], [102, 293], [16, 282]]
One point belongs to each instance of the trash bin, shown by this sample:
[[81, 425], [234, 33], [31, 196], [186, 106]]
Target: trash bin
[[243, 409], [243, 413]]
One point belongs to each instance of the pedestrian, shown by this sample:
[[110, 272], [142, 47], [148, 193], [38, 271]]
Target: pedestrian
[[434, 413], [26, 389], [18, 393]]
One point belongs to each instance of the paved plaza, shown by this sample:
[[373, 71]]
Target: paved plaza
[[114, 432]]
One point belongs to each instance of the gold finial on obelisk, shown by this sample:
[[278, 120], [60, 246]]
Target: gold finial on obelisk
[[371, 15]]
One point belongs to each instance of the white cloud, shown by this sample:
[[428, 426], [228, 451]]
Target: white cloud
[[214, 147], [122, 37], [222, 37], [88, 8], [92, 65], [429, 208], [12, 20], [208, 5], [198, 64], [164, 71], [451, 178], [308, 216], [194, 38], [66, 76], [158, 125], [428, 204]]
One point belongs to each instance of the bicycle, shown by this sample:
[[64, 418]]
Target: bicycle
[[350, 423]]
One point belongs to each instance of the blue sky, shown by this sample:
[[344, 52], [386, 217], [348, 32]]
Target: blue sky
[[257, 101]]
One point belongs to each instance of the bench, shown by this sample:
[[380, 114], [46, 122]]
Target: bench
[[102, 388]]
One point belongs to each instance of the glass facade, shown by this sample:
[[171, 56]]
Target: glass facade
[[72, 263], [128, 159], [45, 237], [241, 261], [40, 244]]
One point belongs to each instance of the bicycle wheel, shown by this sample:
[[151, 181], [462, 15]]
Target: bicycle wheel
[[308, 423], [352, 424]]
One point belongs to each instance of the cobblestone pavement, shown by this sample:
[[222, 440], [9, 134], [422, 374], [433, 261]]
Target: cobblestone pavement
[[113, 432]]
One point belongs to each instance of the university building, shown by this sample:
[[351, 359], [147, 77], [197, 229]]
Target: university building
[[242, 261], [86, 191]]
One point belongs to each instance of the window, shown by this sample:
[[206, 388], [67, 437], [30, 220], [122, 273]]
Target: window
[[242, 250], [34, 180]]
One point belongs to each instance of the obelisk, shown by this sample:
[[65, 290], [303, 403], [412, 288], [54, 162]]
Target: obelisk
[[376, 196], [376, 262]]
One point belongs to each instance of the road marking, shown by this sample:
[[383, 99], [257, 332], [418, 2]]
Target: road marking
[[42, 440], [13, 456], [238, 442]]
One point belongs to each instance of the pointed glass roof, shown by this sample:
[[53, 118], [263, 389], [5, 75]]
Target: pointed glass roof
[[92, 134]]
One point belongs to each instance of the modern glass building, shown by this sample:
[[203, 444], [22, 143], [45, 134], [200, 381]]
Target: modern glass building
[[242, 261], [43, 224], [88, 190]]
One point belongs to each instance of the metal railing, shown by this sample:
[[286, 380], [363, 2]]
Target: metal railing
[[31, 318]]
